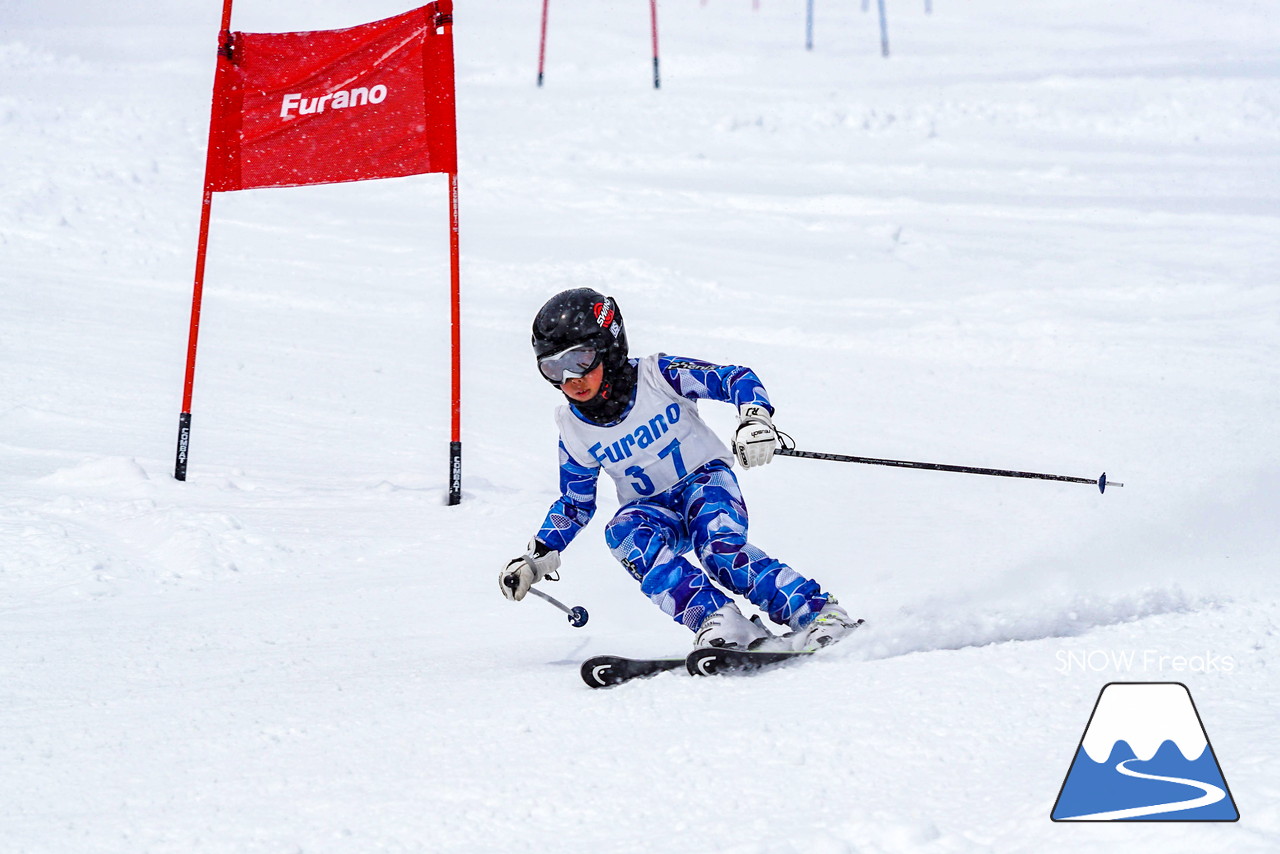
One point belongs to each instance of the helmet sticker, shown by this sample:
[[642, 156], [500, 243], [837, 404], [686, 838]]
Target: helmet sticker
[[603, 312], [605, 316]]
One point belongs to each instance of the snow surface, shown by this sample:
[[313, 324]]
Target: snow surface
[[1041, 235]]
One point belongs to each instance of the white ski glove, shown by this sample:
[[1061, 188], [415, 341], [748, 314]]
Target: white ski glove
[[523, 572], [755, 439]]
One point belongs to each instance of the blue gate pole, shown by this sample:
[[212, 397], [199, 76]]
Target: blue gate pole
[[808, 26]]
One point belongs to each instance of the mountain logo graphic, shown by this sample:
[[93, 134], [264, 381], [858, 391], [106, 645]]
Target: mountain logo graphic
[[1145, 756]]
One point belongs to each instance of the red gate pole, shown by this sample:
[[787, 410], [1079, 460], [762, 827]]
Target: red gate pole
[[202, 246], [455, 302], [653, 17], [455, 325], [542, 43]]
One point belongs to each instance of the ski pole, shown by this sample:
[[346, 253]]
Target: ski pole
[[577, 614], [1101, 482]]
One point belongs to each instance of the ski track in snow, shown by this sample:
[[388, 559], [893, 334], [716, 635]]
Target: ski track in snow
[[1039, 238]]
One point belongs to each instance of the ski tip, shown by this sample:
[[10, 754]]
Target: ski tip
[[702, 662], [599, 672], [605, 671], [710, 661]]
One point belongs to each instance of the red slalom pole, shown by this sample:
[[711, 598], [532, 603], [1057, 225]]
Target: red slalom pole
[[202, 247], [193, 335], [542, 43], [653, 17], [455, 314], [444, 21], [455, 344]]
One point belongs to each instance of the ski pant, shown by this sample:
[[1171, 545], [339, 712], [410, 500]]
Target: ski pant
[[705, 514]]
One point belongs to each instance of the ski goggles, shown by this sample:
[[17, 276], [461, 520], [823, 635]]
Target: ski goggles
[[574, 362]]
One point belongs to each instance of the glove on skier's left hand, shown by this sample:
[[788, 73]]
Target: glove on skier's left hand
[[755, 439], [523, 572]]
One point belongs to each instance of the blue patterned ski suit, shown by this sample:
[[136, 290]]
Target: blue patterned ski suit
[[702, 513]]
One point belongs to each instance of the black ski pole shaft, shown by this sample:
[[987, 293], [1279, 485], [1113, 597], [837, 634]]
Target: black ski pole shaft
[[1101, 482]]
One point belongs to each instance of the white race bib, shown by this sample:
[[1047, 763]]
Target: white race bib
[[658, 442]]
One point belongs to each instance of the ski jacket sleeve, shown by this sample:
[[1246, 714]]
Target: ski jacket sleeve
[[576, 505], [696, 379]]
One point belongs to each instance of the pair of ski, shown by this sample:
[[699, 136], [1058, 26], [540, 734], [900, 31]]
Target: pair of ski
[[604, 671]]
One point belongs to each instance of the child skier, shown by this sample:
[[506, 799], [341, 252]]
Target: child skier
[[638, 420]]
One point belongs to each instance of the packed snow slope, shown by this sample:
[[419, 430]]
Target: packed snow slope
[[1039, 236]]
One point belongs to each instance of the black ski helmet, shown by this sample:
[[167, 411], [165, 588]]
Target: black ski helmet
[[581, 317]]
